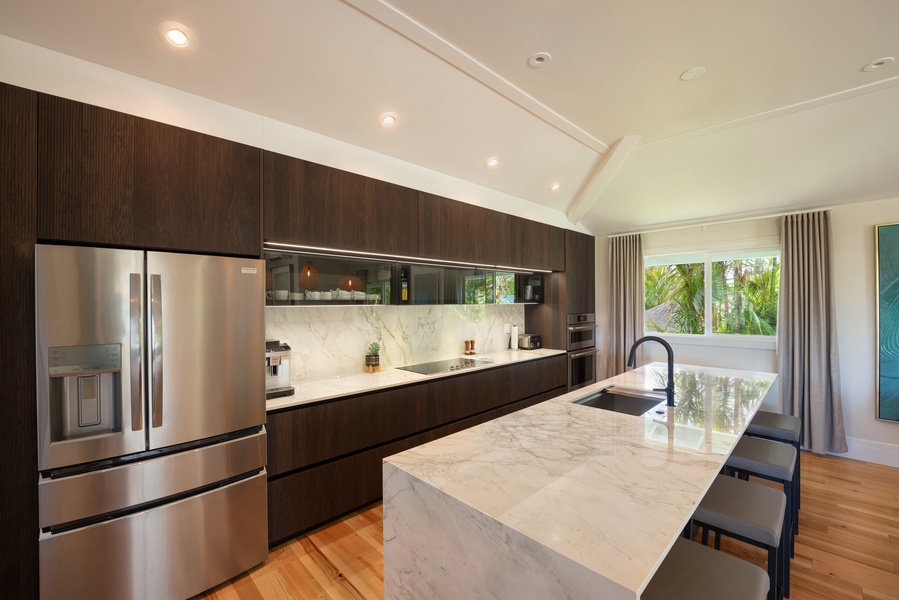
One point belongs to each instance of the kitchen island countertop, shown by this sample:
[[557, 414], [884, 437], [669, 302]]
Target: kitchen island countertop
[[561, 500], [336, 387]]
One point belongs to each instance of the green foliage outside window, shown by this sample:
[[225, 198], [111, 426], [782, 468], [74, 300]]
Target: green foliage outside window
[[743, 297]]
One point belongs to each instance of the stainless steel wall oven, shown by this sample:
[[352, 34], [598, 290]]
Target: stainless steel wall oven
[[581, 350], [581, 331]]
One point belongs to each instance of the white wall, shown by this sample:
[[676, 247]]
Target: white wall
[[856, 298], [854, 273]]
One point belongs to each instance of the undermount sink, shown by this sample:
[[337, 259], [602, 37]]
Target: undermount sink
[[622, 400]]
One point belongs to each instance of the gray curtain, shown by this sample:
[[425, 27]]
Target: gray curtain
[[625, 299], [808, 360]]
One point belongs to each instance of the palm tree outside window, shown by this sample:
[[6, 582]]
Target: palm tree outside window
[[708, 293]]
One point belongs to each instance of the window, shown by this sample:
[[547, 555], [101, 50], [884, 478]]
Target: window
[[712, 293]]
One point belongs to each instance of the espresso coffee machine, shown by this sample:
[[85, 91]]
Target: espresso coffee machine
[[277, 370]]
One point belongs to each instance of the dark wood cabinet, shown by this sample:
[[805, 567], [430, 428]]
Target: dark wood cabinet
[[321, 431], [526, 379], [536, 245], [313, 205], [572, 291], [324, 459], [108, 178], [18, 435], [460, 396], [457, 231], [580, 272], [302, 500]]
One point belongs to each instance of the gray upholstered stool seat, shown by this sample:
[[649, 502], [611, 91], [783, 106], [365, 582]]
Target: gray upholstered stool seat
[[751, 513], [693, 572], [775, 426], [786, 429], [773, 461]]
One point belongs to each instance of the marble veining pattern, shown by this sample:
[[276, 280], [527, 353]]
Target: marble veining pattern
[[329, 342], [608, 491]]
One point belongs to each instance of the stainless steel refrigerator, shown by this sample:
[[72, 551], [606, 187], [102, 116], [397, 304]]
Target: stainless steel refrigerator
[[151, 412]]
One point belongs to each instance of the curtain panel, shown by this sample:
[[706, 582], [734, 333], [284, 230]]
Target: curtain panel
[[808, 358], [626, 303]]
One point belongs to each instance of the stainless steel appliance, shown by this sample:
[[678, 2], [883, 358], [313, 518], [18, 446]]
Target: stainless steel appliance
[[581, 350], [581, 331], [529, 341], [277, 370], [151, 438]]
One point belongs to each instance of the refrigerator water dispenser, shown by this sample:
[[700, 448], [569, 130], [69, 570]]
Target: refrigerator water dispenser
[[84, 386]]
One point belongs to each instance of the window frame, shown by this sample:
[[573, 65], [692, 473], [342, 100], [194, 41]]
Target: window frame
[[764, 248]]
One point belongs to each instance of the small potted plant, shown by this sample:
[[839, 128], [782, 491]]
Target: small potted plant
[[373, 359]]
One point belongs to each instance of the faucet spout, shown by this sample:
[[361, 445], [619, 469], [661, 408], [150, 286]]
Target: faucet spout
[[632, 361]]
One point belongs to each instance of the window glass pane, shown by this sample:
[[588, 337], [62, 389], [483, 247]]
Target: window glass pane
[[744, 295], [675, 298]]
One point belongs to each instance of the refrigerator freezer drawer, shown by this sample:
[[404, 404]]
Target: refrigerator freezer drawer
[[173, 551], [95, 493]]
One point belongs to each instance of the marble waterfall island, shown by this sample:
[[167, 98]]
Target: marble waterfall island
[[561, 500]]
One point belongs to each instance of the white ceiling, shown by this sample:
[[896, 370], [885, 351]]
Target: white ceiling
[[784, 118]]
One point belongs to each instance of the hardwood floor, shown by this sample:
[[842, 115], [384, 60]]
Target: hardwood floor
[[847, 548]]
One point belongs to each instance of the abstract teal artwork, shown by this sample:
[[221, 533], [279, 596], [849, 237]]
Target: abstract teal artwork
[[887, 246]]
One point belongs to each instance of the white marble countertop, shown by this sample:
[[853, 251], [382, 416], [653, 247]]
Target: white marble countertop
[[561, 500], [336, 387]]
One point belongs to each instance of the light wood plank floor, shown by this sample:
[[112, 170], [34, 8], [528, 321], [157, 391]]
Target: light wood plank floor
[[847, 549]]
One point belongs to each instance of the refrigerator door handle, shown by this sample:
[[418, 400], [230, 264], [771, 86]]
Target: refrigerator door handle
[[156, 346], [136, 392]]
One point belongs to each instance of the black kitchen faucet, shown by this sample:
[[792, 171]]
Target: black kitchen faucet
[[632, 361]]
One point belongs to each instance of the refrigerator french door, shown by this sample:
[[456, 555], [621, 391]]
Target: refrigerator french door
[[151, 411]]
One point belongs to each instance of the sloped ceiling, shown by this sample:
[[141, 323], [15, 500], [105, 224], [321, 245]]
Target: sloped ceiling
[[784, 118]]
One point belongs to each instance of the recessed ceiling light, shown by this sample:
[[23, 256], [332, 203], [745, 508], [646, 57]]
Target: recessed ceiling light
[[539, 59], [692, 73], [492, 162], [876, 64], [555, 187], [387, 120], [177, 37]]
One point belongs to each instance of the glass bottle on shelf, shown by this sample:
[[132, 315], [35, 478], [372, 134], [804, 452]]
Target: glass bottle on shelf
[[404, 287]]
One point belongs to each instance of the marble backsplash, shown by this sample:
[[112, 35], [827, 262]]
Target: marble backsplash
[[332, 341]]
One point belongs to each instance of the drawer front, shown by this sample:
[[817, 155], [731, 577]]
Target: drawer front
[[318, 432], [539, 376], [300, 501], [453, 398], [173, 551]]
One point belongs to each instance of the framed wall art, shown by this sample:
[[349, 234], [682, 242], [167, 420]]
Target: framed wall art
[[886, 242]]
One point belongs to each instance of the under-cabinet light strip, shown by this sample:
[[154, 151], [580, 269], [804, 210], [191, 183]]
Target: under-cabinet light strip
[[414, 259]]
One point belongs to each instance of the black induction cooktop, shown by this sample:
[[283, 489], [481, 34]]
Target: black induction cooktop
[[445, 366]]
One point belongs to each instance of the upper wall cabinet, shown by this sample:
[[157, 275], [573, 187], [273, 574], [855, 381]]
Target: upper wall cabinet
[[313, 205], [580, 272], [536, 245], [457, 231], [105, 177]]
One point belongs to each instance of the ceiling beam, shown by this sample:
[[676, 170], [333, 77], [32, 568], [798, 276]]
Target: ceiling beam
[[600, 177], [403, 24]]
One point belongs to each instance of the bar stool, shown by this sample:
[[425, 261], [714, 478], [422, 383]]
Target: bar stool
[[751, 513], [693, 572], [769, 460], [788, 430]]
